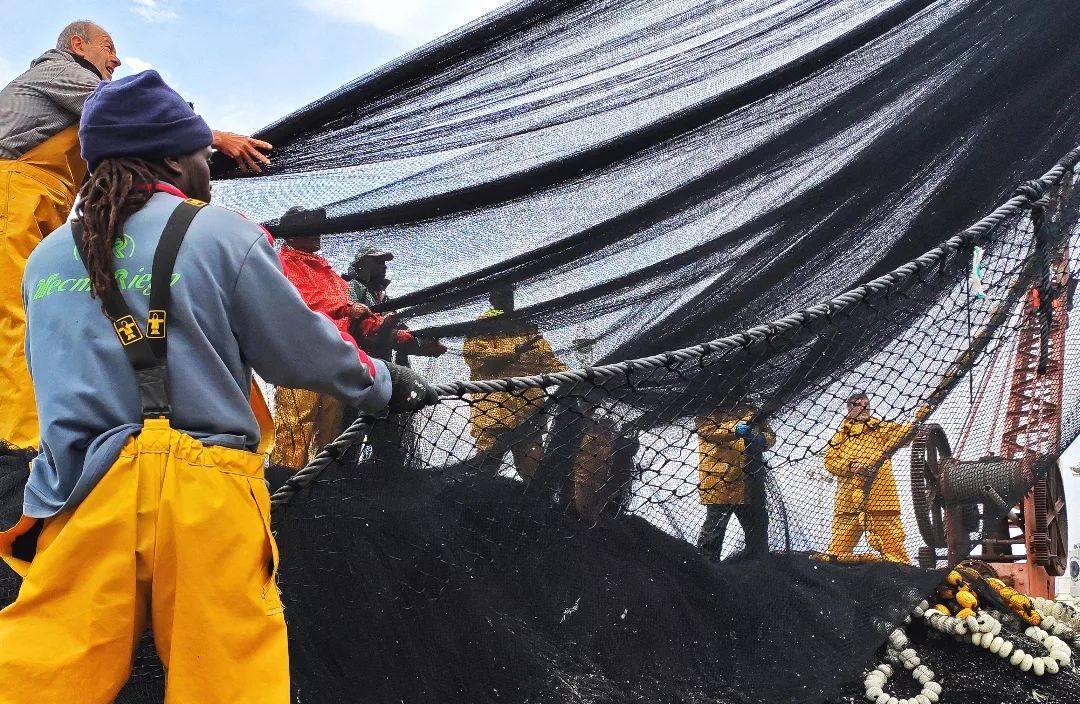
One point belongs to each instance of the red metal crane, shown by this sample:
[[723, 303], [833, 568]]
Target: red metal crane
[[1033, 429]]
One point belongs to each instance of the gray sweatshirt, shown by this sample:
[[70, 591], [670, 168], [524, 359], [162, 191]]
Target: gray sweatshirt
[[43, 100], [232, 311]]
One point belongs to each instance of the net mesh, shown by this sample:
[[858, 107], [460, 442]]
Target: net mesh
[[743, 520]]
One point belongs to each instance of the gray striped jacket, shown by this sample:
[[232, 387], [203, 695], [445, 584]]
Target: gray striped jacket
[[45, 99]]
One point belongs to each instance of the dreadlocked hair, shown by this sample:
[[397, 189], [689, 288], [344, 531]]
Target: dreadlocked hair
[[117, 188]]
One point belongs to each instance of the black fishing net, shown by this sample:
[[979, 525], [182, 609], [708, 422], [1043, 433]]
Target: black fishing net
[[569, 185]]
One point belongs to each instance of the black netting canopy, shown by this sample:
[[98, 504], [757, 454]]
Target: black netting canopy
[[756, 320]]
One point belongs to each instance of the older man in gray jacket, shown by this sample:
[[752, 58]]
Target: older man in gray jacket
[[40, 173]]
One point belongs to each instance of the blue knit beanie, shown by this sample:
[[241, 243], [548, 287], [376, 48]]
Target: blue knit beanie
[[139, 116]]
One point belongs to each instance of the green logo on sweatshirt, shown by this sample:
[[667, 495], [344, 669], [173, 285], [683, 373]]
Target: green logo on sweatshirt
[[123, 248], [126, 280]]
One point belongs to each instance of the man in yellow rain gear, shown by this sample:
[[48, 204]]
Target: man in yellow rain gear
[[603, 467], [508, 347], [866, 499], [40, 173], [146, 506], [728, 443]]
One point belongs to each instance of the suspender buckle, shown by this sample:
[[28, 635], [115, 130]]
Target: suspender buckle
[[155, 400]]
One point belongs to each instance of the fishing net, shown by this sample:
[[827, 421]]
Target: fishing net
[[741, 520], [561, 537]]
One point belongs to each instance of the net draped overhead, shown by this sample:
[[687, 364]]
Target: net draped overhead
[[655, 174]]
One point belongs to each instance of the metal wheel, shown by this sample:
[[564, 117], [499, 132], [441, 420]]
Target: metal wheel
[[928, 449], [1050, 542]]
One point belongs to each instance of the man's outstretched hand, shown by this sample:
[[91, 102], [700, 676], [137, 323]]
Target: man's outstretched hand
[[245, 151]]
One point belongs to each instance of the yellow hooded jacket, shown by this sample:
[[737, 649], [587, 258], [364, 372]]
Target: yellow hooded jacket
[[722, 457], [870, 442], [495, 356]]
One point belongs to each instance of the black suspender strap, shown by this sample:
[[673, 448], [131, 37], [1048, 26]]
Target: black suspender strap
[[147, 351], [162, 272]]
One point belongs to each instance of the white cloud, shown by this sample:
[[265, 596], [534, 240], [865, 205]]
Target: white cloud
[[154, 10], [133, 64], [418, 20]]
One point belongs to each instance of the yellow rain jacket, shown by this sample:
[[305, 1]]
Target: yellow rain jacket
[[37, 192], [869, 442], [494, 356], [722, 457]]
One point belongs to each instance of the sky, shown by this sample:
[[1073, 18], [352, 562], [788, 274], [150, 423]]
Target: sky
[[243, 63], [246, 63]]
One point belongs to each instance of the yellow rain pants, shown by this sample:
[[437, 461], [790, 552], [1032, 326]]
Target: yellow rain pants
[[37, 192], [884, 534], [176, 535], [595, 484], [304, 421], [528, 451]]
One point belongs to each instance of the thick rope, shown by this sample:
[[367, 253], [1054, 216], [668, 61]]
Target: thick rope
[[1024, 197], [357, 432]]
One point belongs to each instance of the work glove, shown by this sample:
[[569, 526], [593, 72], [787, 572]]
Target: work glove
[[408, 390], [432, 348], [743, 430]]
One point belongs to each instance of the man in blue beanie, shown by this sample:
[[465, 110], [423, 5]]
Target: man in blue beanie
[[147, 505], [40, 173]]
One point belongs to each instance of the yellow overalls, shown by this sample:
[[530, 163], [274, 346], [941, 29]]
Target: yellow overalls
[[175, 536], [37, 192], [495, 355], [306, 421], [870, 442]]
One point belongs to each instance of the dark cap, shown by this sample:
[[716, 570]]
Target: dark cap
[[139, 116], [300, 218], [370, 251]]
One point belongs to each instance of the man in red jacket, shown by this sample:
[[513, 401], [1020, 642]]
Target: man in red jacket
[[306, 420]]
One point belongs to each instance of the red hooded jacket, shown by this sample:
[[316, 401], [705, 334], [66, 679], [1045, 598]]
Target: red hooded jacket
[[319, 285]]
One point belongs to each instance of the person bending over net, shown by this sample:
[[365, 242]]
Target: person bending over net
[[506, 347], [146, 506], [308, 420], [866, 499], [730, 463], [382, 335]]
